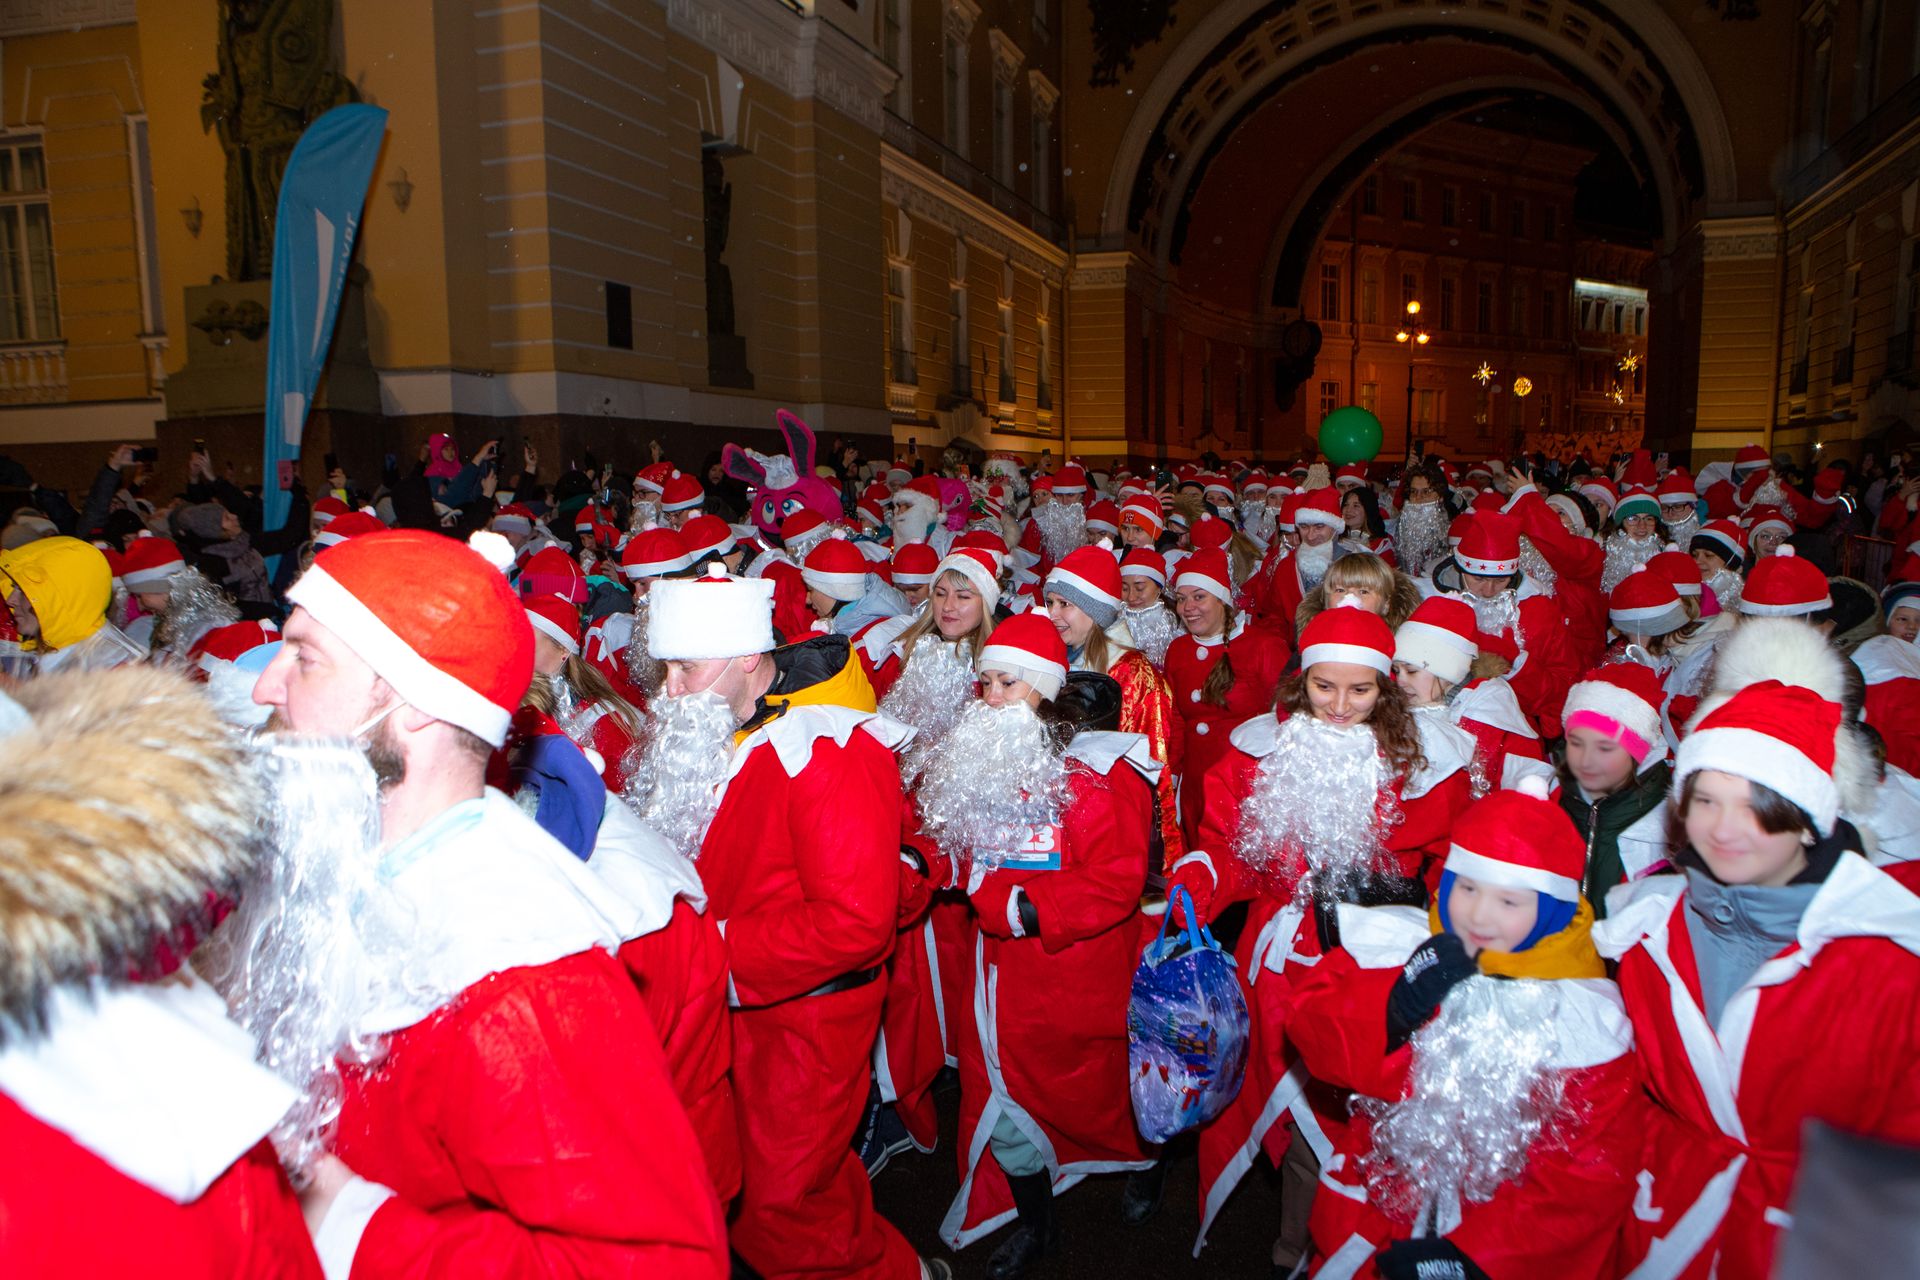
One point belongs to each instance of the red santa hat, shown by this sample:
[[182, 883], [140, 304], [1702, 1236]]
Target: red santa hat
[[1215, 485], [1347, 633], [713, 616], [1207, 571], [1723, 538], [1489, 501], [802, 524], [1566, 506], [914, 565], [1675, 487], [230, 643], [1441, 637], [705, 535], [1351, 476], [354, 524], [1636, 502], [1677, 567], [1321, 506], [1600, 492], [1490, 547], [1210, 533], [985, 540], [149, 564], [586, 518], [1104, 517], [512, 518], [1457, 528], [550, 571], [836, 569], [1144, 562], [1028, 647], [1622, 701], [1766, 517], [1825, 504], [979, 568], [1089, 577], [432, 618], [1639, 470], [326, 508], [653, 478], [1778, 735], [1517, 839], [557, 620], [1645, 603], [654, 553], [1255, 483], [681, 492], [1040, 484], [1289, 518], [1903, 585], [1071, 482], [1749, 458], [900, 473], [1784, 585]]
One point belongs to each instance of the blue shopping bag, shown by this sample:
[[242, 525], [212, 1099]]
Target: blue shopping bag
[[1186, 1029]]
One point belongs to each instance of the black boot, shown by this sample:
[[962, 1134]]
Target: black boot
[[1141, 1198], [1035, 1237]]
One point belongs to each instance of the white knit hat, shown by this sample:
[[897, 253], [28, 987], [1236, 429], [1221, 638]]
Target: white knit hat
[[715, 616]]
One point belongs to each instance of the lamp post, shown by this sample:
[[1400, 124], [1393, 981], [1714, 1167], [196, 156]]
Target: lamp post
[[1414, 334]]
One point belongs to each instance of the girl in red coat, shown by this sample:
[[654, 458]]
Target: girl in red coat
[[600, 721], [1046, 810], [1222, 671], [1435, 655], [1780, 940], [1501, 1141], [1329, 800]]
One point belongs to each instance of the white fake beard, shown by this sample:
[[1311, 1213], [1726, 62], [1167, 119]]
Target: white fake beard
[[1772, 493], [1535, 567], [195, 606], [675, 772], [1725, 585], [1258, 520], [1498, 616], [1154, 628], [319, 940], [1624, 555], [995, 775], [646, 671], [1313, 563], [1681, 532], [931, 694], [1421, 536], [1313, 810], [1481, 1092], [1063, 527]]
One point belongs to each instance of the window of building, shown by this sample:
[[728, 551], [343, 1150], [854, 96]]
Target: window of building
[[1820, 96], [1370, 397], [1370, 295], [1802, 343], [29, 302], [1329, 398], [957, 323], [1517, 219], [1550, 223], [1449, 206], [1041, 98], [1483, 307], [153, 317], [1003, 131], [1449, 302], [619, 316], [1849, 312], [954, 89], [1640, 320], [1619, 317], [1409, 289], [1329, 291], [1906, 290], [1426, 411], [1009, 389], [1586, 315], [1549, 312], [900, 322], [1410, 199], [1517, 311], [1484, 215], [1043, 378], [896, 48], [1370, 196]]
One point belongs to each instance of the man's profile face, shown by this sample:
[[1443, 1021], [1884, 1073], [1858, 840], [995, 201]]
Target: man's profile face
[[316, 684]]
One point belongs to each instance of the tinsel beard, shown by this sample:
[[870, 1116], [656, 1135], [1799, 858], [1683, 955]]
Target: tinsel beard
[[1313, 813], [318, 941], [799, 546], [647, 672], [1624, 555], [194, 607], [1063, 527], [1313, 563], [1420, 538], [1154, 628], [994, 777], [674, 774], [932, 692], [120, 606], [1772, 493], [1535, 566], [1495, 617], [1481, 1092], [1725, 585], [1258, 520], [1680, 532]]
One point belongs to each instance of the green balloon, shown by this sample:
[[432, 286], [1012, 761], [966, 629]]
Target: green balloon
[[1349, 435]]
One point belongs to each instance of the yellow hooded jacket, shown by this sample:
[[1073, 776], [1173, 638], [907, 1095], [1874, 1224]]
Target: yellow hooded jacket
[[67, 581]]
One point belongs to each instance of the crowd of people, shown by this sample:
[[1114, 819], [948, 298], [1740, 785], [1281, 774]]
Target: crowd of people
[[485, 875]]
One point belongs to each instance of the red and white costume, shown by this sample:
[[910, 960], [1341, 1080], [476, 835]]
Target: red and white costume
[[1891, 668]]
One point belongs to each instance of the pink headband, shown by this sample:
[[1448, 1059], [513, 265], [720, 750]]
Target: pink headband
[[1635, 745]]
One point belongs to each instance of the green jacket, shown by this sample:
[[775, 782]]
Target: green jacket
[[1600, 823]]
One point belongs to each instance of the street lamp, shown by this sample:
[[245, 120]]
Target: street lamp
[[1414, 334]]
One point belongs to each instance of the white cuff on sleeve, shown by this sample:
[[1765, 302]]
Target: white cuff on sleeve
[[733, 996], [338, 1238], [1202, 857], [1013, 914]]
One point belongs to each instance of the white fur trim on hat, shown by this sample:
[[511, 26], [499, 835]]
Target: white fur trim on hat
[[1188, 577], [1045, 677], [1080, 584], [974, 572], [151, 577], [416, 680], [1359, 655], [840, 586], [690, 619], [1507, 875], [1138, 570], [1446, 654], [1487, 568], [1313, 515], [1607, 699], [554, 632], [1762, 758]]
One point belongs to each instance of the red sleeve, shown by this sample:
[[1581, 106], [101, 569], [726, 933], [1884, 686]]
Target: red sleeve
[[1106, 835], [1894, 515], [555, 1108], [881, 677], [844, 830], [1581, 559], [1420, 839], [1889, 709], [1337, 1020], [1542, 681], [1224, 791], [612, 741]]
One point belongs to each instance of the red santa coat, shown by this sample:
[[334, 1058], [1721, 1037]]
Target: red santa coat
[[1823, 1031], [926, 984], [1546, 669], [1577, 564], [135, 1139], [1046, 1040], [1279, 604], [1283, 935], [1891, 668], [1507, 748], [544, 1047], [1259, 657], [1561, 1217], [605, 648], [801, 864], [874, 645]]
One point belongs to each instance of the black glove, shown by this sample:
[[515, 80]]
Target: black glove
[[1430, 1259], [1029, 916], [1434, 968]]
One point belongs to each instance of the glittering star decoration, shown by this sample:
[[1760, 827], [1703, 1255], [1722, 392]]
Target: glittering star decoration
[[1629, 362], [1619, 396], [1485, 373]]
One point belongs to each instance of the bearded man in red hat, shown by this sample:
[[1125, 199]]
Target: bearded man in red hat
[[484, 1093], [772, 768]]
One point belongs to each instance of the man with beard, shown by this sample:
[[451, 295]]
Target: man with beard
[[1319, 523], [1420, 537], [504, 1107], [1063, 527], [133, 1114], [773, 768], [919, 515], [1636, 537], [1510, 607]]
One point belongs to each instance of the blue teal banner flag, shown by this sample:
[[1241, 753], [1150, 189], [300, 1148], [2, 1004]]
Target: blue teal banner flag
[[320, 197]]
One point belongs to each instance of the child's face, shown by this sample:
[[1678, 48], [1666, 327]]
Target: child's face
[[1600, 764], [1490, 917], [1422, 687]]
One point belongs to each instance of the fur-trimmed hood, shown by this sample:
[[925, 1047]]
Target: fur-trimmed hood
[[127, 809]]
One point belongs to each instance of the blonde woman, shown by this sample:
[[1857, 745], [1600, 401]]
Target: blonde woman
[[1376, 584]]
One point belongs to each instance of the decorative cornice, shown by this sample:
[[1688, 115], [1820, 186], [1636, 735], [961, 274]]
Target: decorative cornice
[[1734, 239], [961, 15], [1008, 57], [1105, 270], [927, 197], [800, 55], [32, 17], [1043, 91]]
